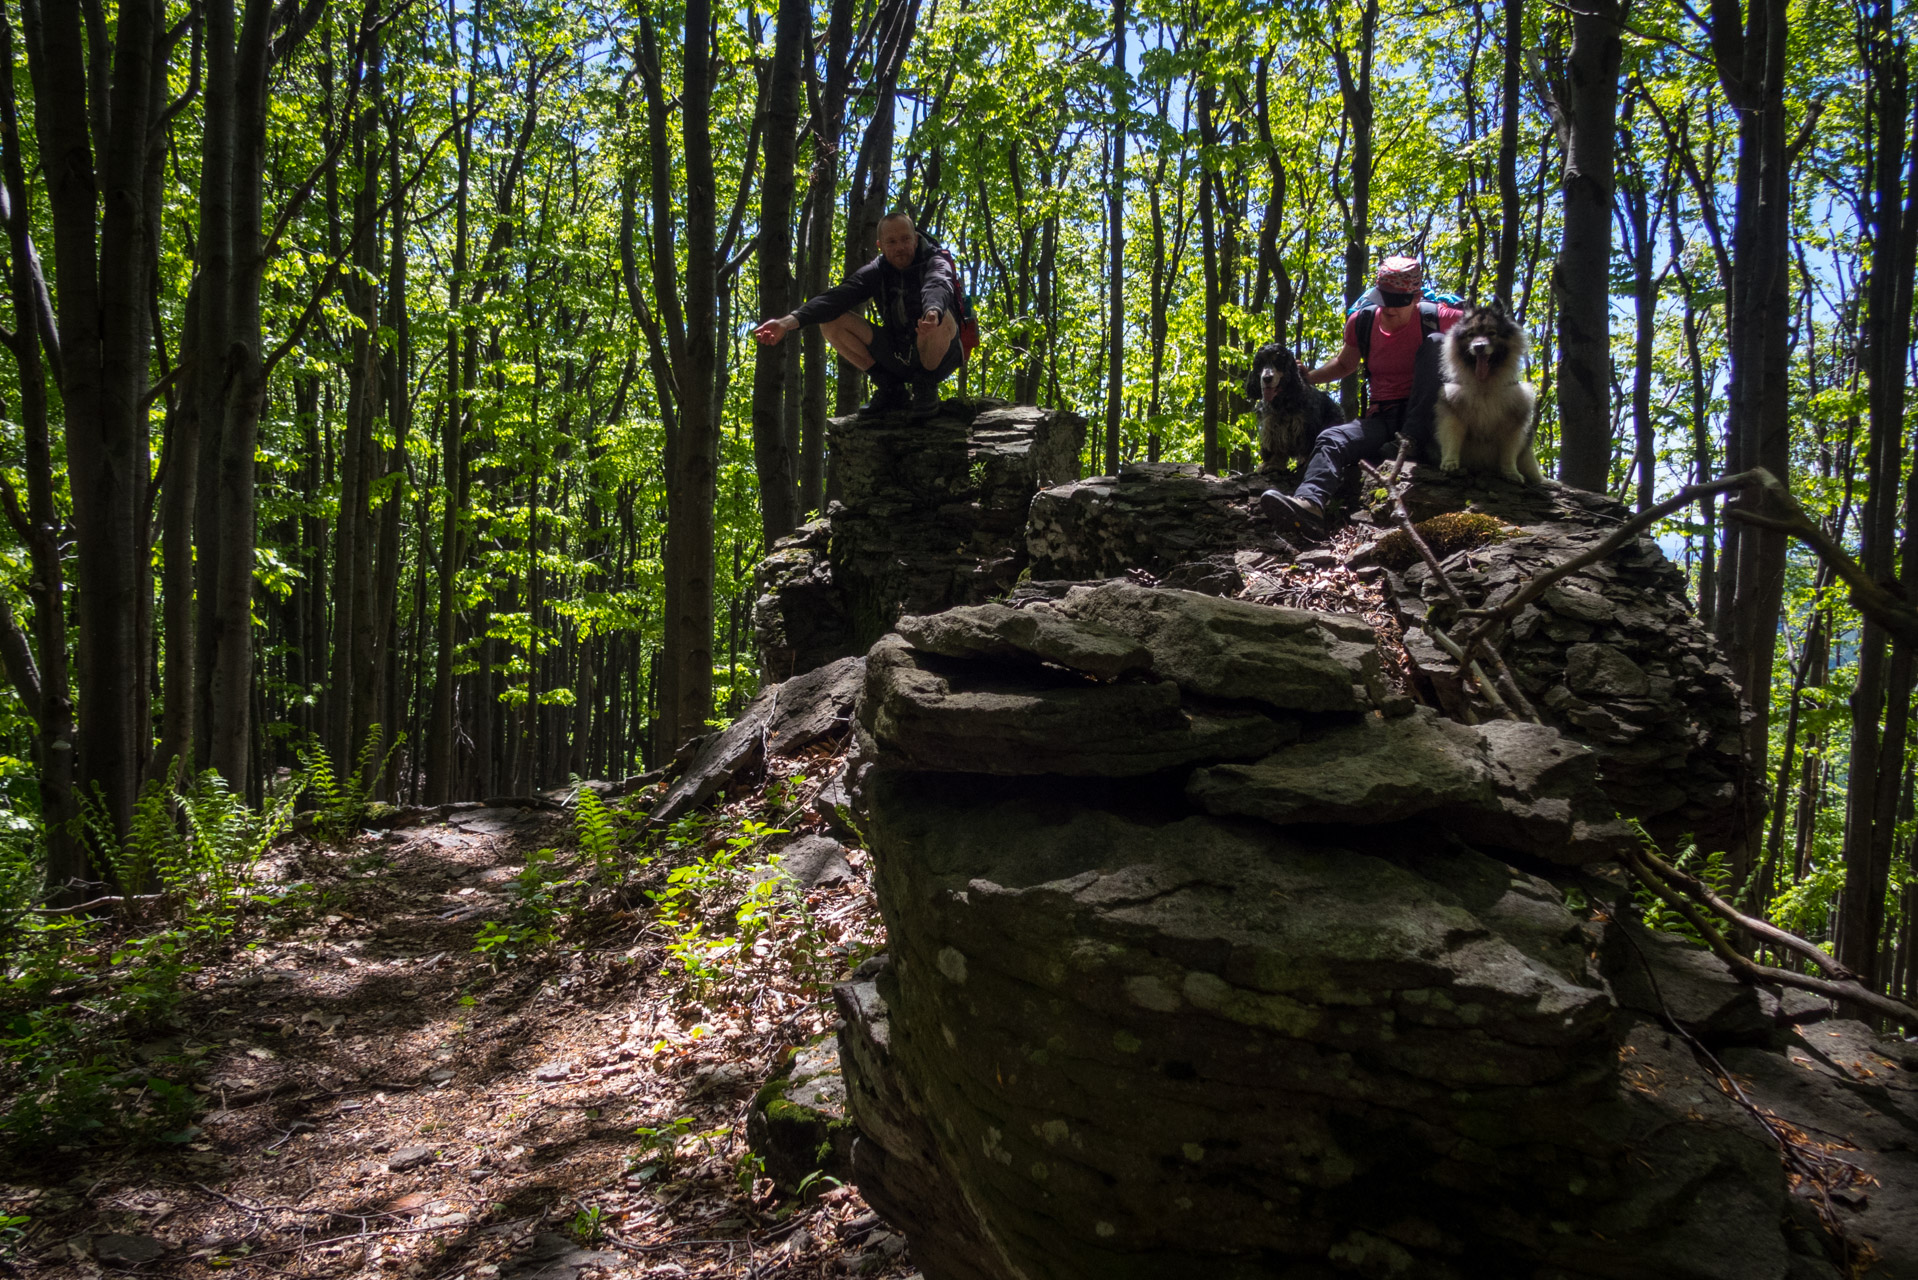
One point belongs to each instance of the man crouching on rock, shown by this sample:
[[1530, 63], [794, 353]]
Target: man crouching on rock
[[915, 288]]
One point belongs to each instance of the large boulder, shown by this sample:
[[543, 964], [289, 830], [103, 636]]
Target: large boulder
[[927, 515], [1153, 516], [782, 720], [1115, 1042], [1202, 967], [1612, 655]]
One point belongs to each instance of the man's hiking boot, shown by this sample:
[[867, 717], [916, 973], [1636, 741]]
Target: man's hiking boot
[[1294, 518], [925, 398], [888, 395]]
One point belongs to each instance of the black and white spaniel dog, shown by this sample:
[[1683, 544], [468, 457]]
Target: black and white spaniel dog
[[1291, 411]]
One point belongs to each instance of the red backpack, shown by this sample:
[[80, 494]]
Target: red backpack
[[962, 305]]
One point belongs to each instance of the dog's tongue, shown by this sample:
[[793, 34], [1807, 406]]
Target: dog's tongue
[[1269, 392], [1484, 367]]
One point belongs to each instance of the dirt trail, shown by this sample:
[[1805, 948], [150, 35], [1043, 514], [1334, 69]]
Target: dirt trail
[[384, 1101]]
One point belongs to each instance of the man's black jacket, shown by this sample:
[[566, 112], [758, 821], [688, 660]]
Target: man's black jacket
[[902, 296]]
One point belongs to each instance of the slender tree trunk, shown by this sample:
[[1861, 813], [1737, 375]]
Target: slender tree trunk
[[441, 756], [1583, 271], [395, 380], [692, 470], [829, 128], [229, 640], [100, 265], [1751, 65], [872, 172], [1638, 209], [1880, 703], [1211, 459], [772, 456], [1511, 223], [43, 686], [1272, 273], [354, 687], [1115, 219], [1355, 92]]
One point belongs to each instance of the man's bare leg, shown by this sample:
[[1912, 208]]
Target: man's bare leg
[[851, 337], [933, 346]]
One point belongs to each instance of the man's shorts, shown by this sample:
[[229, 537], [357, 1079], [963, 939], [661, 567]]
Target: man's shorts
[[907, 365]]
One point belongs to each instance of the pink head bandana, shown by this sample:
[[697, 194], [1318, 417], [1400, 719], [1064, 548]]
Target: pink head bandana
[[1399, 274]]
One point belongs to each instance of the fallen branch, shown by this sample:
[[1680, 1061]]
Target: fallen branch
[[1514, 703], [1821, 1170], [1490, 619], [112, 900], [1751, 971], [1791, 942], [1876, 601], [244, 1207]]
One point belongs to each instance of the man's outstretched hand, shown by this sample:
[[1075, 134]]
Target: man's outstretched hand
[[773, 330], [929, 322]]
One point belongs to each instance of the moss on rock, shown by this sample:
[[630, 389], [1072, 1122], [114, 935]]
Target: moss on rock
[[1445, 534]]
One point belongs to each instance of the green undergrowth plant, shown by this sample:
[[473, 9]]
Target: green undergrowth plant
[[84, 998], [1713, 869], [533, 924], [340, 803], [705, 884], [194, 850]]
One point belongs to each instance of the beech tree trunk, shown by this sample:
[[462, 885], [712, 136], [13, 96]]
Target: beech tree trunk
[[772, 455], [1881, 700], [828, 128], [42, 684], [1750, 52], [1115, 220], [1355, 92], [1511, 221], [1581, 278], [441, 756], [101, 269], [1211, 460], [228, 642]]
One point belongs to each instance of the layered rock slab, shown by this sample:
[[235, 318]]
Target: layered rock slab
[[1152, 516], [925, 515], [927, 712], [1507, 784], [1612, 655], [1115, 1045], [1152, 1010]]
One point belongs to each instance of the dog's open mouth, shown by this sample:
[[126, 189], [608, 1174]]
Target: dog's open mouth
[[1268, 389], [1482, 359]]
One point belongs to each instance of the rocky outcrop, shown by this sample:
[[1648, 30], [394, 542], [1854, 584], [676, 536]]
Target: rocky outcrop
[[1612, 655], [782, 720], [1153, 516], [929, 515], [1197, 1004], [1213, 953]]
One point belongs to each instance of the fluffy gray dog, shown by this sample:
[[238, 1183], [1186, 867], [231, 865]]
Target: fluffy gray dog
[[1483, 419]]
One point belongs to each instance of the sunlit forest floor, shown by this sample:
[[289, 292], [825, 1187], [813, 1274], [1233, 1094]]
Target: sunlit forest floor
[[383, 1100]]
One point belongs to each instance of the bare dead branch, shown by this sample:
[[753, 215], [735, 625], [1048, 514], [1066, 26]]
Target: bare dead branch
[[1751, 971]]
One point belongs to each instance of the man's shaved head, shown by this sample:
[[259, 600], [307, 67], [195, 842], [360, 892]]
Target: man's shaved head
[[898, 238]]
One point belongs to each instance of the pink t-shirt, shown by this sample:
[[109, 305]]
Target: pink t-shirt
[[1393, 354]]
